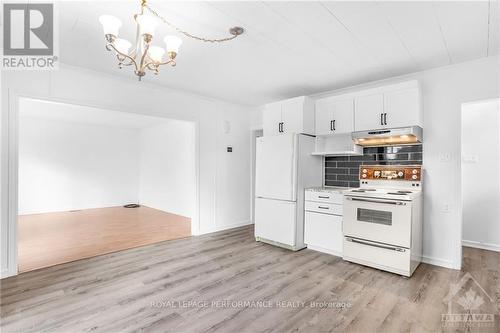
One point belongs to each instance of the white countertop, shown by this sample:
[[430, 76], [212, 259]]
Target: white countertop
[[330, 189]]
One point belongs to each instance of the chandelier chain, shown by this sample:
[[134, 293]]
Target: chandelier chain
[[185, 33]]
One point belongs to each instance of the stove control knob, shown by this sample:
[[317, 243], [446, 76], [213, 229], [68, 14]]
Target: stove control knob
[[414, 177], [365, 171], [400, 174], [364, 176], [414, 171]]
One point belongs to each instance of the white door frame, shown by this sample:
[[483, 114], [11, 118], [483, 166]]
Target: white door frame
[[253, 135], [13, 164]]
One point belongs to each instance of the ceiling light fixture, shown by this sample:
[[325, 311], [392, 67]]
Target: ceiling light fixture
[[144, 56]]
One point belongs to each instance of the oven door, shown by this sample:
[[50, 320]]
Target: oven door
[[379, 220]]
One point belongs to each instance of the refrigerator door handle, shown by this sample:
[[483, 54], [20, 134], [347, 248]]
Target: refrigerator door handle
[[295, 155]]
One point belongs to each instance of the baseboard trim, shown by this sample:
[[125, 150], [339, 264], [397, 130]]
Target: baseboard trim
[[439, 262], [224, 227], [482, 246], [5, 273], [322, 249]]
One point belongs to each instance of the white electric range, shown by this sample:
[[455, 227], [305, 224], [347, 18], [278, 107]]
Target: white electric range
[[382, 222]]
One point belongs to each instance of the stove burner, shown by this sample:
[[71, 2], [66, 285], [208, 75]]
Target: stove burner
[[362, 190], [397, 193], [404, 191]]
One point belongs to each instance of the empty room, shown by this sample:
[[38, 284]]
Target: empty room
[[250, 166], [94, 181]]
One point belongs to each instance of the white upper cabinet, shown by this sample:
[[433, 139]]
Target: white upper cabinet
[[295, 115], [334, 116], [402, 108], [369, 112], [271, 118], [388, 107], [396, 105]]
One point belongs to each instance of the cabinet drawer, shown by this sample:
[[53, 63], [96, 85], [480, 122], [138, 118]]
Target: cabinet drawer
[[377, 255], [323, 207], [323, 232], [335, 198]]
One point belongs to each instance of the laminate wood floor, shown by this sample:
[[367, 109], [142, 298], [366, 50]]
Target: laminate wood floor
[[54, 238], [227, 282]]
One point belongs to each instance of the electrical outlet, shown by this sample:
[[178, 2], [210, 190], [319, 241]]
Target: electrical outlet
[[444, 157], [470, 159]]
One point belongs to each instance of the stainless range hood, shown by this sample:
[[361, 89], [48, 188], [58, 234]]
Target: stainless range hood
[[388, 136]]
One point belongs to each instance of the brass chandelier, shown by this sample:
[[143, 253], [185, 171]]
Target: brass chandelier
[[144, 56]]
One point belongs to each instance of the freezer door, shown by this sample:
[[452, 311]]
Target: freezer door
[[276, 167], [275, 220]]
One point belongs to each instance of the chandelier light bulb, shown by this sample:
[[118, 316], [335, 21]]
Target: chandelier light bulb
[[110, 24], [147, 24], [173, 43], [122, 45], [156, 53]]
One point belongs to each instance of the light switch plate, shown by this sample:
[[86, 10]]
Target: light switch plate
[[446, 208]]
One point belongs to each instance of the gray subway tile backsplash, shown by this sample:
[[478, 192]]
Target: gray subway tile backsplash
[[344, 170]]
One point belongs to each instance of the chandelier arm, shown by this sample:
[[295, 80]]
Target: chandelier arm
[[124, 55], [127, 63], [187, 34], [122, 60], [143, 57], [158, 64], [149, 64]]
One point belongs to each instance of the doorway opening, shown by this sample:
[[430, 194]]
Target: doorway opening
[[480, 180], [80, 166]]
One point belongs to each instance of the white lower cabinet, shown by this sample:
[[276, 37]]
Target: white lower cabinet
[[323, 223]]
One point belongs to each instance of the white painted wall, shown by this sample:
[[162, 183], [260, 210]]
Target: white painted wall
[[222, 203], [480, 177], [233, 170], [167, 167], [68, 165], [444, 89], [80, 157]]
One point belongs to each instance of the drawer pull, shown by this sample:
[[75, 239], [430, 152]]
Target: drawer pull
[[323, 207], [393, 248], [323, 197]]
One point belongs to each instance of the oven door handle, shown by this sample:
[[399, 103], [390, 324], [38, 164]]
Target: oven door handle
[[399, 203], [387, 247]]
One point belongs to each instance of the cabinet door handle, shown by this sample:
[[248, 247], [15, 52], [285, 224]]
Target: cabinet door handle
[[279, 127], [385, 118], [282, 127], [331, 125], [323, 197], [323, 207], [334, 125], [381, 119]]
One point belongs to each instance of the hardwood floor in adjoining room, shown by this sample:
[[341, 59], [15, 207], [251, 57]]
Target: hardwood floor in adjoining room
[[187, 285], [53, 238]]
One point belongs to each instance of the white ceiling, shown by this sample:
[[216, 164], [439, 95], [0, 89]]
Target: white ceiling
[[40, 109], [291, 48]]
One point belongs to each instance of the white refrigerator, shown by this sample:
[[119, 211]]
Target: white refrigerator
[[284, 167]]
